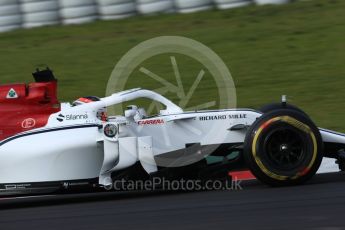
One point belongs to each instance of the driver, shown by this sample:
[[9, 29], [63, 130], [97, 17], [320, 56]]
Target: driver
[[101, 113]]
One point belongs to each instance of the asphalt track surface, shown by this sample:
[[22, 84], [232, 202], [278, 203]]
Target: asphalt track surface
[[318, 205]]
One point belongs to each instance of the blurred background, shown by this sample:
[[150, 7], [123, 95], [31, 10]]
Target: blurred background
[[272, 47]]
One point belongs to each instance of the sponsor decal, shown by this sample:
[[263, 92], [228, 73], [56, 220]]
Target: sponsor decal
[[12, 94], [67, 185], [222, 117], [217, 117], [60, 118], [72, 117], [17, 186], [238, 116], [28, 123], [110, 130], [151, 122]]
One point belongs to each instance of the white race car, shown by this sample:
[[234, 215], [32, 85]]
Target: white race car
[[46, 145]]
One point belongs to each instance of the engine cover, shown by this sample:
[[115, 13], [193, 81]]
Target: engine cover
[[24, 107]]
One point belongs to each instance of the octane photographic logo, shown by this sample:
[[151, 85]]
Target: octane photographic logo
[[185, 71]]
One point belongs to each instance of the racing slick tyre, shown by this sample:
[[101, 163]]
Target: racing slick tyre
[[276, 106], [283, 148]]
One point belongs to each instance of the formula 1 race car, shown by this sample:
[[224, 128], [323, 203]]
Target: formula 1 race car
[[46, 145]]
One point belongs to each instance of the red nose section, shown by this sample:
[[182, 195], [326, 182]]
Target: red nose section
[[25, 107]]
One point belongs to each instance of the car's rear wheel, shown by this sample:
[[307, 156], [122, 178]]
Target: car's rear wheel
[[283, 147]]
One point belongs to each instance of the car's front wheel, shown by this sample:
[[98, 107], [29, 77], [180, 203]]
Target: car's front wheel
[[283, 147]]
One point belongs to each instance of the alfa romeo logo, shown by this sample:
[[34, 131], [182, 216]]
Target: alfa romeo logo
[[12, 94], [28, 123]]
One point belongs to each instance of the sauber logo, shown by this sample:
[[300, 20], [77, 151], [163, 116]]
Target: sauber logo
[[151, 122], [28, 123], [60, 118], [71, 117]]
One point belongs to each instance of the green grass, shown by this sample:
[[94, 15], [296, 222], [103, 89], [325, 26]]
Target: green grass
[[296, 49]]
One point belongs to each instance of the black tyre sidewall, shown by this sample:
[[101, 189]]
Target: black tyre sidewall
[[278, 106], [261, 171]]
